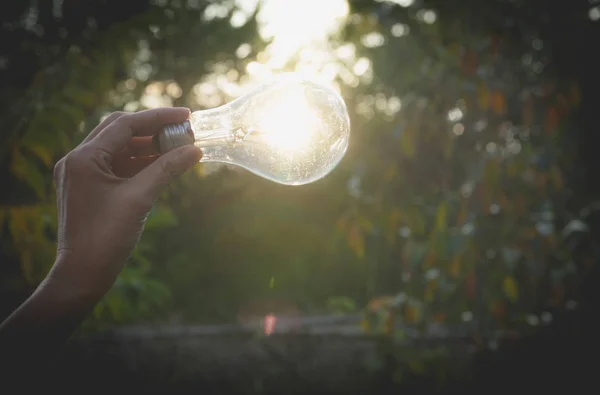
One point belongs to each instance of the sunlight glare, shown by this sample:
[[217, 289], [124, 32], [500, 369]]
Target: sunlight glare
[[290, 123], [298, 24], [296, 29]]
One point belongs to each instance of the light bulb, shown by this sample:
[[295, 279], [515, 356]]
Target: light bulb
[[290, 130]]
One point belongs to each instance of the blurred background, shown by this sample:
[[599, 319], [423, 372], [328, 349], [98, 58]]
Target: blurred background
[[458, 235]]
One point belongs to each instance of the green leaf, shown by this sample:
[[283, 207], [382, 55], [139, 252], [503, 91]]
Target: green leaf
[[440, 218], [341, 304], [41, 152], [510, 288], [18, 224], [356, 240], [99, 309], [160, 217], [27, 268], [25, 170]]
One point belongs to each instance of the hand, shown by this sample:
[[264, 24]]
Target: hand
[[105, 189]]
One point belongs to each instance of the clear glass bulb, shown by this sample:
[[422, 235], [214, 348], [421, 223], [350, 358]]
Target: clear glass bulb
[[291, 130]]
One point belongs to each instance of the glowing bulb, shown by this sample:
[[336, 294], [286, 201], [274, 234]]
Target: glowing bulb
[[291, 130]]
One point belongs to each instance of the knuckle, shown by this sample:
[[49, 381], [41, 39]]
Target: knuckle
[[100, 155], [116, 115], [122, 122], [73, 159], [122, 117], [58, 168], [74, 162]]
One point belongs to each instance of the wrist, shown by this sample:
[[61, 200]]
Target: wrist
[[77, 278]]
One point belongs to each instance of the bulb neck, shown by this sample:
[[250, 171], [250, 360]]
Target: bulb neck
[[174, 136]]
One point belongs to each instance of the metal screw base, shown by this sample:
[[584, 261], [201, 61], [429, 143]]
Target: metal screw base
[[174, 136]]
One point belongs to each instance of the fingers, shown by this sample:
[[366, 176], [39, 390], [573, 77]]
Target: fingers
[[138, 154], [141, 146], [107, 121], [151, 180], [127, 167], [116, 135]]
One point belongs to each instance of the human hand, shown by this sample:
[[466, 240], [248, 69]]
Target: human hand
[[105, 189]]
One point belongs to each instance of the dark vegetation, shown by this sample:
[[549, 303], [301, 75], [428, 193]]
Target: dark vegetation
[[474, 205]]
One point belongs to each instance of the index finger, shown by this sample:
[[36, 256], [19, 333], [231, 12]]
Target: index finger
[[144, 123]]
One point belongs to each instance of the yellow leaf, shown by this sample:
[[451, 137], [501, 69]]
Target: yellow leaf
[[411, 314], [356, 241], [510, 289], [17, 224], [366, 224], [27, 265], [391, 173], [484, 96], [42, 152], [440, 219], [455, 266], [365, 326], [429, 258], [430, 291], [498, 103]]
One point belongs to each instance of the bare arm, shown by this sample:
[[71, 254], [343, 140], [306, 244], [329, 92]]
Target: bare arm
[[105, 189]]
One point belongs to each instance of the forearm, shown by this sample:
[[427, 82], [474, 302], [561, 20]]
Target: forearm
[[42, 325]]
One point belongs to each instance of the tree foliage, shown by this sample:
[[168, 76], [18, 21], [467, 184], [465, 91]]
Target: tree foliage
[[450, 202], [463, 205]]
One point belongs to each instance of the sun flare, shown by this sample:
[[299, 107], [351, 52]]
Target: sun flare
[[276, 128]]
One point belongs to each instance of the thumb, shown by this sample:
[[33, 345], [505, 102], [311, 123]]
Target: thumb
[[154, 178]]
